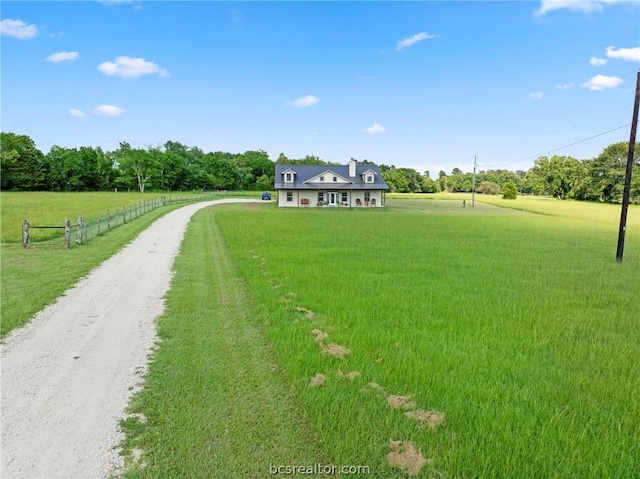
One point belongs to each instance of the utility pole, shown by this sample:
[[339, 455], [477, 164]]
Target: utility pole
[[473, 184], [627, 178]]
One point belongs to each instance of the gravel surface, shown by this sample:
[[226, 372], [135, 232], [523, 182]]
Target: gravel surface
[[68, 375]]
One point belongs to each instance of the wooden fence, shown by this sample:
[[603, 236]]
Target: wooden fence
[[86, 229]]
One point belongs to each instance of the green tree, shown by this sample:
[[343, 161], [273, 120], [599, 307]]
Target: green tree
[[65, 169], [428, 185], [23, 167], [509, 191], [396, 180], [558, 176], [139, 167], [107, 171], [77, 169], [259, 164], [607, 172], [219, 171]]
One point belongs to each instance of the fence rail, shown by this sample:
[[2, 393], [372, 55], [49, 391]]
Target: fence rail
[[87, 229]]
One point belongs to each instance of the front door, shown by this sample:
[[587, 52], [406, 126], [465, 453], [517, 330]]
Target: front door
[[333, 198]]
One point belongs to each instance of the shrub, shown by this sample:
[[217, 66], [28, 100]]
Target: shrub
[[509, 191], [489, 188]]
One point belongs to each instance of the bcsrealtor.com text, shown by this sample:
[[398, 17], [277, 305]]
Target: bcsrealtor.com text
[[317, 469]]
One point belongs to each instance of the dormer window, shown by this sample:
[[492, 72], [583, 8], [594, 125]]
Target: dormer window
[[369, 178], [288, 177]]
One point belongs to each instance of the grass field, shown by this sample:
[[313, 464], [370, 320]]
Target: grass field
[[490, 342], [52, 209]]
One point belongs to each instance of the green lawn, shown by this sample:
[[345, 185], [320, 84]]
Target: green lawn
[[519, 327]]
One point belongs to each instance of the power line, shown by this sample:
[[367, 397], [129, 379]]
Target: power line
[[565, 146], [580, 141]]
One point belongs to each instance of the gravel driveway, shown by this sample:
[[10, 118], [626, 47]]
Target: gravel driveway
[[68, 375]]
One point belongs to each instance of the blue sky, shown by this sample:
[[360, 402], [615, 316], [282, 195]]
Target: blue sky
[[425, 85]]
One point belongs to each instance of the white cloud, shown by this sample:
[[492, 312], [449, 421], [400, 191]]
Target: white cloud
[[17, 29], [586, 6], [602, 82], [407, 42], [565, 86], [62, 57], [598, 62], [128, 67], [107, 110], [74, 113], [627, 54], [304, 101], [536, 95], [375, 129]]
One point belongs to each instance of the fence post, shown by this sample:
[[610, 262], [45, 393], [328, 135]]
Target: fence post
[[86, 229], [116, 217], [108, 220], [124, 215], [67, 234], [78, 230], [25, 234]]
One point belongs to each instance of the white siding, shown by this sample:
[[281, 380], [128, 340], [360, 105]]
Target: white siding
[[309, 198]]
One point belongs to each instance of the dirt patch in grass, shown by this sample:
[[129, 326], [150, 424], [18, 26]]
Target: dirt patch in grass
[[350, 375], [336, 350], [317, 380], [375, 387], [431, 419], [400, 402], [307, 312], [406, 457], [319, 335]]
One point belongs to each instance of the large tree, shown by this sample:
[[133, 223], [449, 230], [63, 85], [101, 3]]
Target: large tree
[[607, 172], [139, 167], [22, 165]]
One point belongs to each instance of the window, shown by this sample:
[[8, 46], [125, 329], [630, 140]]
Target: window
[[344, 197], [335, 178], [369, 178], [289, 196], [322, 178], [320, 197], [367, 196], [288, 177]]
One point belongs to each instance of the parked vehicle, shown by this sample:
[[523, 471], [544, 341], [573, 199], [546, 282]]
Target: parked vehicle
[[266, 195]]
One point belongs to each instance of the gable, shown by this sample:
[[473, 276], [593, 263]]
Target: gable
[[328, 177], [368, 176]]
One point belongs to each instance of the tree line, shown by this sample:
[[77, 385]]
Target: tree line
[[177, 167], [564, 177]]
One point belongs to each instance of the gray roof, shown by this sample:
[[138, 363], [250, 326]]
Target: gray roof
[[306, 172]]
